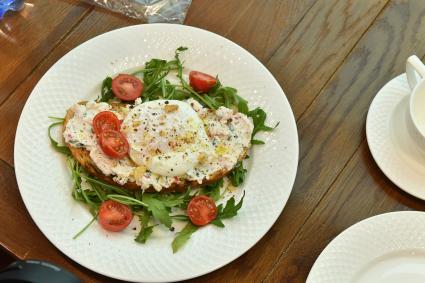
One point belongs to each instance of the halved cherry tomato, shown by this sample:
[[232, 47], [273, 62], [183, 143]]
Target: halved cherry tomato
[[201, 82], [201, 210], [127, 87], [114, 216], [105, 120], [113, 143]]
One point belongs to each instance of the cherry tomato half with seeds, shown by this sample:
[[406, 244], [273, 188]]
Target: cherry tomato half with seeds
[[127, 87], [201, 82], [114, 216], [105, 120], [113, 143], [201, 210]]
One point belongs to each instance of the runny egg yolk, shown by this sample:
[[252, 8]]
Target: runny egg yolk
[[167, 137]]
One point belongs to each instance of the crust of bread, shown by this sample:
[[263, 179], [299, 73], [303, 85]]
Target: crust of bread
[[83, 157]]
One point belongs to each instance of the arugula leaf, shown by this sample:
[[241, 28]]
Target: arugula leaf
[[227, 97], [76, 179], [144, 234], [187, 197], [157, 69], [59, 148], [126, 200], [231, 209], [203, 99], [158, 209], [242, 104], [145, 230], [106, 186], [156, 85], [106, 91], [257, 142], [182, 48], [213, 190], [228, 211], [56, 118], [171, 200], [100, 193], [237, 175], [181, 217], [218, 222], [85, 227], [183, 236], [259, 118]]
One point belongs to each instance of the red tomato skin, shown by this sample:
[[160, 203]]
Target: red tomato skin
[[201, 82], [105, 120], [127, 87], [114, 216], [201, 210], [114, 144]]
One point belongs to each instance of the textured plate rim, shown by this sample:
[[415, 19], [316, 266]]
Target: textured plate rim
[[385, 167], [236, 255], [341, 237]]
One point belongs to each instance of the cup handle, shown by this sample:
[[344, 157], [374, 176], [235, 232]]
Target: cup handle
[[414, 69]]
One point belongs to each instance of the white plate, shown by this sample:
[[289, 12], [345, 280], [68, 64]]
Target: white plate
[[391, 141], [44, 180], [388, 248]]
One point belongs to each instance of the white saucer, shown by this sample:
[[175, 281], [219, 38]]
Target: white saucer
[[391, 141], [388, 248]]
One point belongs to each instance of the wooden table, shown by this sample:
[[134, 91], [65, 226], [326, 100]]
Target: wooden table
[[330, 57]]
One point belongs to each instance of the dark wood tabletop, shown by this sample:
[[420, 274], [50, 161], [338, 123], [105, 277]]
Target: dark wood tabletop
[[329, 56]]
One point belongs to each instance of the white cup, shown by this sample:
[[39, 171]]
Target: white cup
[[415, 72]]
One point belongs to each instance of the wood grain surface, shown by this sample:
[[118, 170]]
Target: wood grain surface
[[258, 27], [29, 36], [342, 107], [331, 29], [330, 57]]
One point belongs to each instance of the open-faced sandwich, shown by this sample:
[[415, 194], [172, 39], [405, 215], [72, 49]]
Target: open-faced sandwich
[[162, 151]]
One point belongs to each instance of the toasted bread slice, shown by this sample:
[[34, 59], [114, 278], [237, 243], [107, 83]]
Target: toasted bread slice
[[83, 157]]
